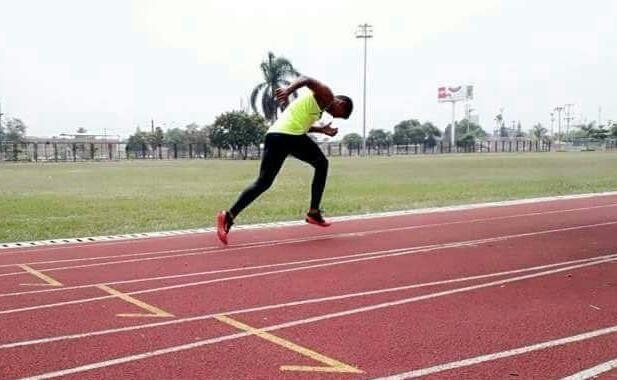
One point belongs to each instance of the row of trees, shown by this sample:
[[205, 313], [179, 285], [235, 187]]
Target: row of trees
[[410, 132], [236, 130], [596, 132], [239, 130], [413, 132], [582, 131]]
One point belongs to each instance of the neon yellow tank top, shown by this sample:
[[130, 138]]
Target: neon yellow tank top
[[298, 117]]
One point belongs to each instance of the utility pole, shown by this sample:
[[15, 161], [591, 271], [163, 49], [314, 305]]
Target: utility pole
[[559, 109], [552, 123], [365, 31]]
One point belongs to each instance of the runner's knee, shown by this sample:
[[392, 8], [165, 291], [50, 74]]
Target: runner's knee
[[321, 164], [263, 183]]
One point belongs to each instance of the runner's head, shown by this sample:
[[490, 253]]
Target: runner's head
[[341, 107]]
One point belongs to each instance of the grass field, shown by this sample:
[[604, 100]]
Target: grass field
[[41, 201]]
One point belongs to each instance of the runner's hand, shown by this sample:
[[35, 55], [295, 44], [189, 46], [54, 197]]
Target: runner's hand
[[329, 130]]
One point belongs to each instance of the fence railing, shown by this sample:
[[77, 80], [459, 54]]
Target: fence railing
[[108, 151]]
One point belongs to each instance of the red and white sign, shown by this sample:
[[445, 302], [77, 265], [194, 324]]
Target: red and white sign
[[453, 94]]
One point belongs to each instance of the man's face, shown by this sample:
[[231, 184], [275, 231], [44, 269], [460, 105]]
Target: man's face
[[339, 108]]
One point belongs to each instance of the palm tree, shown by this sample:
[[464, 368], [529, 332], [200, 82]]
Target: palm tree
[[276, 71], [538, 131], [588, 129]]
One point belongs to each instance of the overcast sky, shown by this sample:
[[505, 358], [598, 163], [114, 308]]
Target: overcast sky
[[116, 64]]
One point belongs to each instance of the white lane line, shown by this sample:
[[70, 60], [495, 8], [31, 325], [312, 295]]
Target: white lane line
[[193, 345], [592, 373], [112, 256], [507, 354], [229, 270], [273, 243], [267, 273], [299, 303], [217, 249], [210, 272], [22, 247]]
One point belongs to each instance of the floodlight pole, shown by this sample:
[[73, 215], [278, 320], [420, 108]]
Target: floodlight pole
[[453, 129], [365, 32], [559, 109]]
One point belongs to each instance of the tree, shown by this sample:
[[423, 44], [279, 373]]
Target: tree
[[586, 129], [156, 139], [174, 136], [194, 134], [501, 124], [408, 132], [239, 130], [519, 130], [352, 141], [613, 130], [538, 132], [464, 128], [412, 132], [467, 139], [137, 141], [191, 133], [276, 71], [82, 130], [218, 138], [15, 130], [600, 133], [503, 131], [432, 133], [592, 132], [379, 138]]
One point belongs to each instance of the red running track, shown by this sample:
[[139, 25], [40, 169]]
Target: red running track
[[519, 291]]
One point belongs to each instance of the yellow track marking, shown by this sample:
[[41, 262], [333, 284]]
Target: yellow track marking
[[153, 310], [49, 281], [332, 365]]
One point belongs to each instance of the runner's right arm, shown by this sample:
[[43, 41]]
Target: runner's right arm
[[323, 94]]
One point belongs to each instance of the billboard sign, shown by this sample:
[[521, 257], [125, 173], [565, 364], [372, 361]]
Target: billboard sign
[[454, 94]]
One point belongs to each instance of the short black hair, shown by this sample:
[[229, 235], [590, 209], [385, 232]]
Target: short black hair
[[348, 105]]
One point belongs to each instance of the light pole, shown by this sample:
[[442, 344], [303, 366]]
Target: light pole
[[469, 109], [568, 118], [365, 31], [1, 114], [559, 109]]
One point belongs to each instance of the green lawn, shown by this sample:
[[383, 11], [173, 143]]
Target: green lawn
[[41, 201]]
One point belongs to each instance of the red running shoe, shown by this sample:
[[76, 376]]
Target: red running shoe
[[223, 225], [314, 217]]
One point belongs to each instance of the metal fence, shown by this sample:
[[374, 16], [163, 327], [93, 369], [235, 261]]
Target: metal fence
[[53, 151], [60, 151]]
